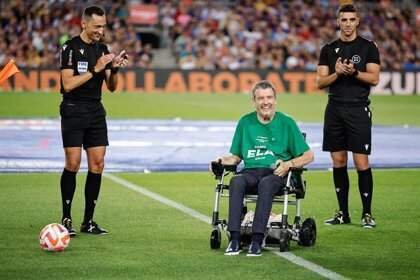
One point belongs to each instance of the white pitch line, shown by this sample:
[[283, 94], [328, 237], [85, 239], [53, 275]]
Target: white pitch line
[[191, 212], [159, 198], [309, 265]]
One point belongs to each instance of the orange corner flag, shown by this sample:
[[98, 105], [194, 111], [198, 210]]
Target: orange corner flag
[[9, 70]]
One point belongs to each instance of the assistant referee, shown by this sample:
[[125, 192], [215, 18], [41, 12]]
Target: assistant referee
[[349, 66], [85, 64]]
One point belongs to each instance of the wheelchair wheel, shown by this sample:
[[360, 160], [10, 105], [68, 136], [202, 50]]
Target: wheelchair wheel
[[284, 240], [215, 239], [307, 234]]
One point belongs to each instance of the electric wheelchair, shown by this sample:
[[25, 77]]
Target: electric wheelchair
[[279, 233]]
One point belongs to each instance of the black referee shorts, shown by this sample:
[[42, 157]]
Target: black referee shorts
[[347, 127], [83, 124]]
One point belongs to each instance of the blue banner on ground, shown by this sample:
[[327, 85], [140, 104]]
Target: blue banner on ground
[[176, 145]]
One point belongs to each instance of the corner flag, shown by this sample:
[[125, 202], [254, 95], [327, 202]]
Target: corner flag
[[9, 70]]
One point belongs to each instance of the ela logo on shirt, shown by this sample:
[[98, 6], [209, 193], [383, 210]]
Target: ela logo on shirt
[[259, 153]]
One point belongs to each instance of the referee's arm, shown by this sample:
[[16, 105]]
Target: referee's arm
[[119, 61], [371, 76], [323, 78], [71, 81], [111, 80]]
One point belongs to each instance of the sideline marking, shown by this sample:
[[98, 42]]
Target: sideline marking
[[191, 212]]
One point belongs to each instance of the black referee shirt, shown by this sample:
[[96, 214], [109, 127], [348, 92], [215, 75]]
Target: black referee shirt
[[361, 51], [82, 57]]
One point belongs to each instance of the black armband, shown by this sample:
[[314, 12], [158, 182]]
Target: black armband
[[114, 70]]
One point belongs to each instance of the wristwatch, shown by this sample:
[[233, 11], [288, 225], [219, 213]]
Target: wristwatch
[[114, 70], [94, 74]]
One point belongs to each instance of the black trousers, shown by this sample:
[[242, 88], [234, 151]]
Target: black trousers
[[260, 181]]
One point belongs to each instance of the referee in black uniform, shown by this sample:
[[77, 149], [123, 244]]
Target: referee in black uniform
[[85, 64], [349, 66]]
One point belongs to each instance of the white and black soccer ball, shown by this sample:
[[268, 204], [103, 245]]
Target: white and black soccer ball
[[54, 237]]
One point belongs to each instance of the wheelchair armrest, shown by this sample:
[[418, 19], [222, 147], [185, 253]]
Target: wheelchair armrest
[[299, 185], [298, 169], [218, 168], [230, 167]]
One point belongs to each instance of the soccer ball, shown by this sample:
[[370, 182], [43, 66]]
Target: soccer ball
[[54, 237]]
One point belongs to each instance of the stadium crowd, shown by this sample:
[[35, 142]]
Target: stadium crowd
[[32, 32], [283, 34], [265, 34]]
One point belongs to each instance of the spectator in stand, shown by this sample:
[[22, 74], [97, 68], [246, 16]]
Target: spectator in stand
[[298, 28], [285, 24], [145, 56], [32, 32]]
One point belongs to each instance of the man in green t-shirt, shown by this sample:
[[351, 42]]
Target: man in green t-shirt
[[269, 143]]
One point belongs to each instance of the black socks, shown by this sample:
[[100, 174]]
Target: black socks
[[92, 187], [341, 183], [366, 189], [68, 186]]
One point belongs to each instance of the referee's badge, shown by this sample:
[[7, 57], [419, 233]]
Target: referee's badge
[[356, 59], [82, 66]]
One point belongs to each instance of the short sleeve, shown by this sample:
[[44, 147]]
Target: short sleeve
[[66, 57], [373, 54], [236, 147], [323, 57]]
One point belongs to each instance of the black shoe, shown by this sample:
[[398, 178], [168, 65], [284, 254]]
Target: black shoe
[[368, 221], [93, 228], [338, 219], [254, 250], [66, 222], [234, 248]]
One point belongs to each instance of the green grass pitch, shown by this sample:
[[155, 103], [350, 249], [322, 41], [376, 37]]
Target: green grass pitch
[[386, 110], [149, 240]]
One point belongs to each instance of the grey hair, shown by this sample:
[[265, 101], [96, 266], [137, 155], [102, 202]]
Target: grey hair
[[264, 84]]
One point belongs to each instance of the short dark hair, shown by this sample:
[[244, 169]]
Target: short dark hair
[[264, 84], [349, 8], [93, 10]]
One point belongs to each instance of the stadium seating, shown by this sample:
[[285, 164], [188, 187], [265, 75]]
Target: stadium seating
[[269, 34]]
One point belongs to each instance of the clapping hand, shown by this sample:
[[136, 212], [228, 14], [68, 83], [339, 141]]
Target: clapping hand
[[120, 60], [103, 61], [345, 67]]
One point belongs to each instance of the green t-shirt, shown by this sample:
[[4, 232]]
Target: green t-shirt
[[261, 145]]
